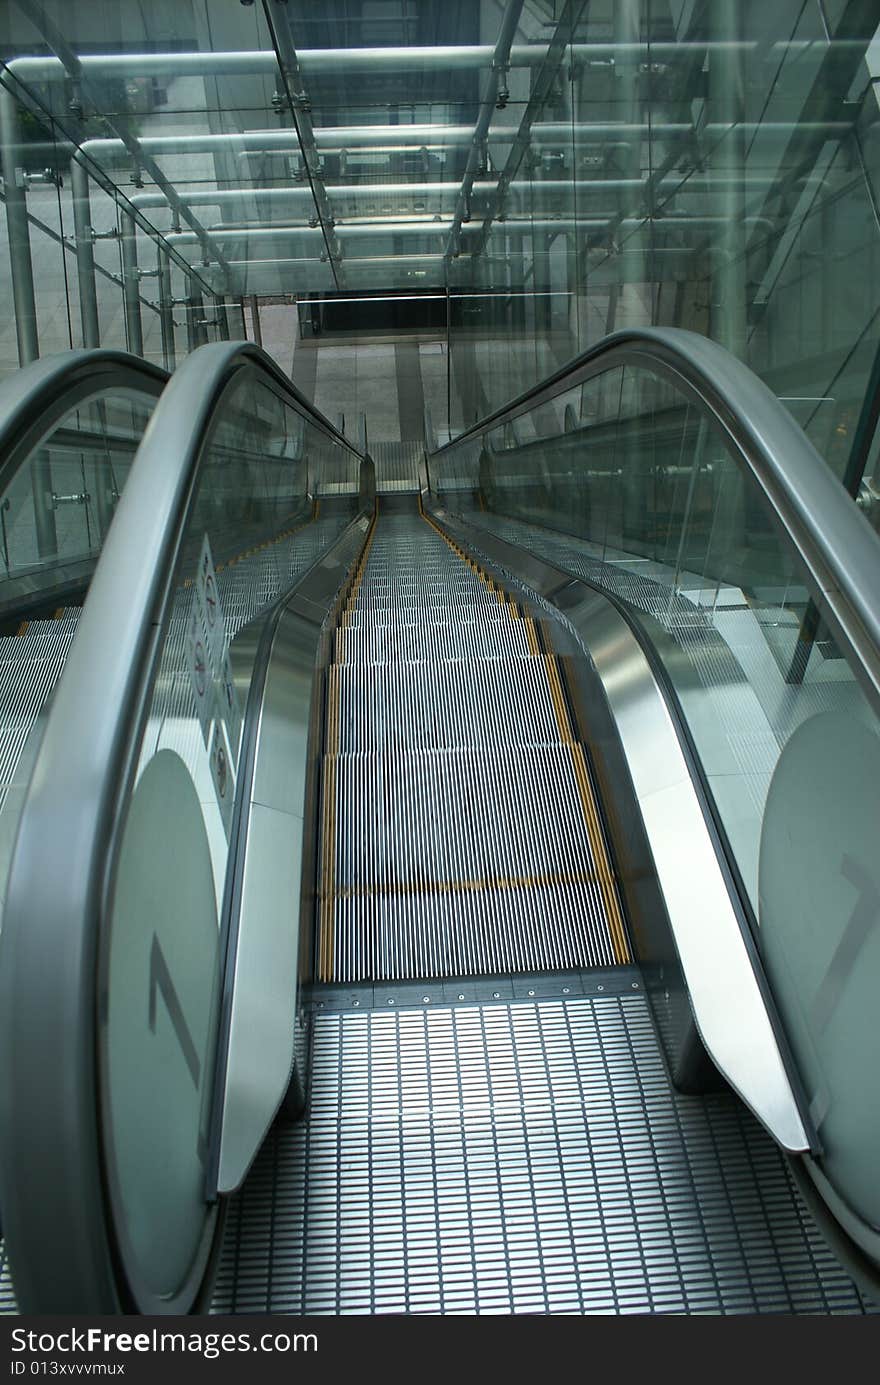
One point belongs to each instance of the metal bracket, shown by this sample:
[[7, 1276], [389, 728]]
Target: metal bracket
[[502, 95], [82, 498]]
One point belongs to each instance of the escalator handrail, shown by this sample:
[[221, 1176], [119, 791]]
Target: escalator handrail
[[34, 399], [832, 537], [77, 801]]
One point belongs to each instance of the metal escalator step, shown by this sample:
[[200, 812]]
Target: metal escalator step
[[428, 596], [470, 929], [460, 831], [32, 665], [427, 642], [473, 613], [41, 639], [27, 682], [250, 583], [469, 702], [465, 816]]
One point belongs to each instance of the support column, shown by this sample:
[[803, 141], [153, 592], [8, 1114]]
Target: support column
[[190, 313], [131, 286], [85, 255], [255, 319], [627, 109], [727, 107], [24, 305], [100, 482], [199, 324], [44, 513], [222, 316], [166, 311]]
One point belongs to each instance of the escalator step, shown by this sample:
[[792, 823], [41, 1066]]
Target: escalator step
[[460, 832]]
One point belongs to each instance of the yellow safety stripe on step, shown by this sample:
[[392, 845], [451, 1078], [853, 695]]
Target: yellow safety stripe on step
[[607, 882], [598, 847], [328, 824], [510, 604]]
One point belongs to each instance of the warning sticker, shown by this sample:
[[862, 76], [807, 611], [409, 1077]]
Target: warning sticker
[[200, 673], [222, 773], [208, 657], [208, 598]]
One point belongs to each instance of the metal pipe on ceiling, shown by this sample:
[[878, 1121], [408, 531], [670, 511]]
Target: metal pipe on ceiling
[[439, 58], [494, 96], [548, 134], [300, 107], [509, 226], [442, 191]]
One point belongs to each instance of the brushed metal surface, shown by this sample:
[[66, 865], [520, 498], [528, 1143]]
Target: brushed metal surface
[[261, 1034]]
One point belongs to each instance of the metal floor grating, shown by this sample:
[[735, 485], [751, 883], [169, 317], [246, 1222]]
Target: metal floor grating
[[527, 1156], [460, 831]]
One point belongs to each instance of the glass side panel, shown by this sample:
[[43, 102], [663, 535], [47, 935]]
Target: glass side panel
[[272, 492], [627, 483]]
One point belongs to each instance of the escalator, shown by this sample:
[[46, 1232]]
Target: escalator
[[448, 729], [69, 429], [415, 952]]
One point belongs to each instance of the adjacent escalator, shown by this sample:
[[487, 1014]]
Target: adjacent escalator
[[121, 966], [69, 429]]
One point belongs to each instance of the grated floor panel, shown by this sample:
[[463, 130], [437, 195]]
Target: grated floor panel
[[519, 1156]]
